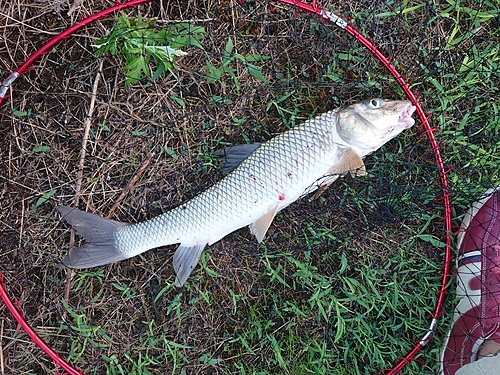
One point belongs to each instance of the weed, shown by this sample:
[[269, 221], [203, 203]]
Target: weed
[[28, 113], [139, 42], [80, 278], [126, 290], [215, 73], [44, 198], [84, 334]]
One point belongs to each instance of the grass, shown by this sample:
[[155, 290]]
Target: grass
[[344, 284], [298, 307]]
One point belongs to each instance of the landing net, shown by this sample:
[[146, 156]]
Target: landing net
[[357, 281]]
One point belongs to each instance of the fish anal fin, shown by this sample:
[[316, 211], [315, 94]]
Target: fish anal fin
[[350, 162], [261, 225], [233, 156], [186, 258]]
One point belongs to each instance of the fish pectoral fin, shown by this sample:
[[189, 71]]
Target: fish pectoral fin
[[349, 162], [261, 225], [233, 156], [186, 257]]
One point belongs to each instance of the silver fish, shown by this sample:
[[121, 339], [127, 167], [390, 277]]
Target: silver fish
[[264, 179]]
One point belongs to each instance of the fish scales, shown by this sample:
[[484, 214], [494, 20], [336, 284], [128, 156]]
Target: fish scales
[[277, 173], [267, 178]]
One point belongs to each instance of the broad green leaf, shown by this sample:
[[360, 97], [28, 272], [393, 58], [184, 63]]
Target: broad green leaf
[[228, 50], [41, 148], [255, 71], [44, 198]]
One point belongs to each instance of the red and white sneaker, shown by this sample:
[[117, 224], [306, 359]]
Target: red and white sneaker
[[477, 314]]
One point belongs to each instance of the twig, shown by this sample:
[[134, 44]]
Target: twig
[[75, 6], [130, 185], [79, 176]]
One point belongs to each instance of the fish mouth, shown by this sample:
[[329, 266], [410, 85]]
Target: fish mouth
[[405, 116]]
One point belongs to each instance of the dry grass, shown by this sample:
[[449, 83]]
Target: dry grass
[[143, 119]]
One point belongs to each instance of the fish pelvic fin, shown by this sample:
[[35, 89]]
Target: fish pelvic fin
[[262, 224], [233, 156], [186, 258], [350, 162], [100, 233], [323, 187]]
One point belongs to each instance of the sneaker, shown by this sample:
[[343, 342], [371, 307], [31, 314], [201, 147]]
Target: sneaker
[[477, 314]]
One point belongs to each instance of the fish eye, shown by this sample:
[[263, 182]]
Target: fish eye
[[374, 103]]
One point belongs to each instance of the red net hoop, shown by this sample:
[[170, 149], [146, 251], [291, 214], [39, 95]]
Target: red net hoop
[[425, 131]]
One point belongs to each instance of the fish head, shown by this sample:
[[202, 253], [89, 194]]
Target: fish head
[[369, 124]]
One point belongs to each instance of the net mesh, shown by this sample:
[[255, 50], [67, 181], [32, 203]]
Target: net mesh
[[346, 283]]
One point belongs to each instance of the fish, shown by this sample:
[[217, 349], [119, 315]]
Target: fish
[[262, 179]]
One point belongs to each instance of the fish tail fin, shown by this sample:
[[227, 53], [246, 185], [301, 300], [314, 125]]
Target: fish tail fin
[[100, 233]]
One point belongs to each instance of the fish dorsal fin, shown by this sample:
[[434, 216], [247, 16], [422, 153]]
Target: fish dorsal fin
[[349, 162], [261, 225], [186, 257], [234, 155]]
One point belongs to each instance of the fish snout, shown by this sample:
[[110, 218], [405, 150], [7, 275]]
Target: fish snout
[[405, 116]]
